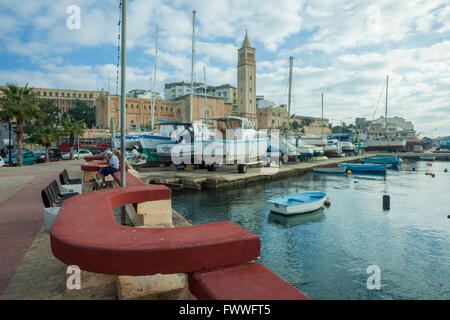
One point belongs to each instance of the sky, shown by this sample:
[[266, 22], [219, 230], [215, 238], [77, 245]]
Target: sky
[[343, 49]]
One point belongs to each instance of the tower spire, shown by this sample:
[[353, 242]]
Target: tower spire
[[246, 43]]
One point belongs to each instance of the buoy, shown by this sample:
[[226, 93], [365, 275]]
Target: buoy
[[327, 203], [386, 202], [349, 172]]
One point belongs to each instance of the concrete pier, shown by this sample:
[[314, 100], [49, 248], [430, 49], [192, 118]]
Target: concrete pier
[[227, 177]]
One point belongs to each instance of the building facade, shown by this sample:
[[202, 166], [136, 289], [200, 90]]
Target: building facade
[[139, 113], [272, 117], [65, 99], [246, 73]]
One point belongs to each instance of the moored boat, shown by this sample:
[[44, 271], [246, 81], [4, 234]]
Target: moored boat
[[382, 160], [330, 169], [298, 203], [427, 158], [364, 167]]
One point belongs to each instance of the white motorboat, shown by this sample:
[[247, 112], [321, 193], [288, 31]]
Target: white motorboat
[[314, 140], [333, 148], [298, 203]]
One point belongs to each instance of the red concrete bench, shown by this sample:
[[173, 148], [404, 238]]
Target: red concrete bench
[[86, 234], [93, 166], [131, 181], [250, 281], [94, 158]]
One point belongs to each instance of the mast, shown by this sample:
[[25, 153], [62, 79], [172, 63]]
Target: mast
[[322, 115], [192, 67], [385, 111], [204, 78], [154, 79], [291, 61], [123, 80]]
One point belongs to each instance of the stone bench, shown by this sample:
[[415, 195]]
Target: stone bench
[[94, 158], [86, 234], [249, 281]]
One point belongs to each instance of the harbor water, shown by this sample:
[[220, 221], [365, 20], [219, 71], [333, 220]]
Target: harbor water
[[331, 253]]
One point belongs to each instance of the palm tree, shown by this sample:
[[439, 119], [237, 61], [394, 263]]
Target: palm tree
[[72, 128], [22, 105], [47, 136]]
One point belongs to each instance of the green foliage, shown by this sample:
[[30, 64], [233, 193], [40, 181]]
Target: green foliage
[[295, 125], [82, 112], [50, 111], [72, 128], [21, 105]]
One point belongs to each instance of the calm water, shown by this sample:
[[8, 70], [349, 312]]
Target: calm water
[[326, 254]]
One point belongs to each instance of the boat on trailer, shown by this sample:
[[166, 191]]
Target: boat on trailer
[[298, 203], [330, 169], [364, 167]]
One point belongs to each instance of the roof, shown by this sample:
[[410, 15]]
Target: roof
[[246, 43]]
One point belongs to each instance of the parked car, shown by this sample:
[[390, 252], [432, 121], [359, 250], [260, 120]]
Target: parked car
[[77, 155], [54, 154], [28, 157], [94, 151]]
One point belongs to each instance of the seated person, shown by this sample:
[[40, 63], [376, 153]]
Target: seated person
[[113, 166]]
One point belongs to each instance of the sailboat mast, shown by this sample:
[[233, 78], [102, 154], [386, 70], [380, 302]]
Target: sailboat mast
[[204, 78], [385, 111], [154, 79], [291, 61], [192, 68], [123, 80], [322, 115]]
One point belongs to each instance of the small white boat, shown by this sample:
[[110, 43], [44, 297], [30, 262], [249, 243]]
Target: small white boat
[[330, 169], [427, 158], [298, 203]]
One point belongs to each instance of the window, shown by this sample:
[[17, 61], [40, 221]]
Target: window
[[91, 96], [137, 107], [45, 94], [62, 94], [144, 107], [50, 93], [85, 95], [167, 109], [132, 107], [74, 95], [56, 94], [79, 95]]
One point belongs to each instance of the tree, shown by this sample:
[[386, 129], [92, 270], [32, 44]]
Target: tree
[[83, 112], [22, 105], [295, 125], [72, 128], [45, 136], [51, 112]]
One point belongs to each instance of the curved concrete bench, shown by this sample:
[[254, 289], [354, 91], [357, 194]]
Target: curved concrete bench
[[86, 234], [94, 158], [93, 165]]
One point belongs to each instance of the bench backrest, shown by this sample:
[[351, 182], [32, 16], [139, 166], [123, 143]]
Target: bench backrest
[[55, 188], [46, 198], [64, 177]]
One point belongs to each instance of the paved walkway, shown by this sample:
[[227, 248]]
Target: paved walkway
[[21, 210]]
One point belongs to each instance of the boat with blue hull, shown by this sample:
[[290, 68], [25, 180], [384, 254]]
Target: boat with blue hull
[[393, 161], [364, 167], [298, 203]]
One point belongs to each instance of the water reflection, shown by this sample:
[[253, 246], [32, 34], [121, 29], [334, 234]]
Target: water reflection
[[297, 219]]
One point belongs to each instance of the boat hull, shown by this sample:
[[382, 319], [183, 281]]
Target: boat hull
[[363, 167], [287, 205], [330, 169]]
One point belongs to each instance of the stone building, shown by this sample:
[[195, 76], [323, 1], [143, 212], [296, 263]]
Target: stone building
[[63, 98], [272, 117], [138, 111], [246, 74], [310, 125]]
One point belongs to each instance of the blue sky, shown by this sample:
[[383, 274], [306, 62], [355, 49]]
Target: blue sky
[[344, 49]]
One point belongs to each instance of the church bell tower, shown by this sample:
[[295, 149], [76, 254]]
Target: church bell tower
[[246, 72]]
